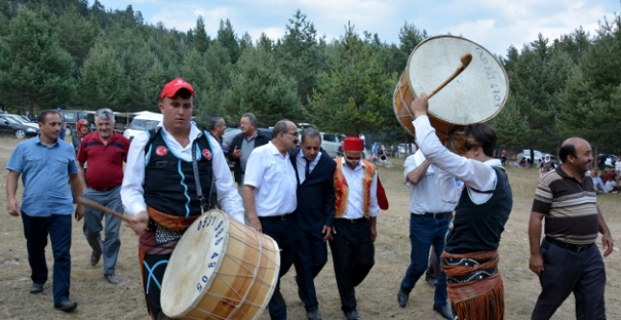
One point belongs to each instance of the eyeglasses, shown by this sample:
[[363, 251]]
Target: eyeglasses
[[295, 134], [352, 160]]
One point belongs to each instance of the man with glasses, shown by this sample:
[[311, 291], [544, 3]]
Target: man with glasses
[[105, 152], [270, 198], [354, 231]]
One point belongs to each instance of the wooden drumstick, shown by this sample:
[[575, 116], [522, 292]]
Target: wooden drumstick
[[105, 209], [465, 61]]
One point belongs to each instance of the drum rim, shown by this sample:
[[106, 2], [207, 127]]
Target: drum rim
[[431, 113], [225, 243], [394, 105]]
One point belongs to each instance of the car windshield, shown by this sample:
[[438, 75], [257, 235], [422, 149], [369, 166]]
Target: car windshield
[[11, 120], [141, 124], [20, 119]]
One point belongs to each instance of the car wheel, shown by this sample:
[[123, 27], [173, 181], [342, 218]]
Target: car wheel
[[67, 132], [20, 134]]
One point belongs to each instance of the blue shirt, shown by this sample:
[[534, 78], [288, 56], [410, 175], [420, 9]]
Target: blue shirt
[[45, 176]]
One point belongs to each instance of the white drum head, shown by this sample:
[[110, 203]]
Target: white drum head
[[194, 263], [476, 95]]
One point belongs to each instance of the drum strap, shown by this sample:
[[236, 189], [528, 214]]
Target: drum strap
[[205, 204]]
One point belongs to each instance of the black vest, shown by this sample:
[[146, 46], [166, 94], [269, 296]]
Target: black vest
[[169, 184], [478, 227]]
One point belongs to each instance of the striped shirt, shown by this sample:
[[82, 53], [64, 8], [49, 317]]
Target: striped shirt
[[570, 207]]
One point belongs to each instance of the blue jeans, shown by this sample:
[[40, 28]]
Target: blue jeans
[[111, 245], [424, 232], [36, 231]]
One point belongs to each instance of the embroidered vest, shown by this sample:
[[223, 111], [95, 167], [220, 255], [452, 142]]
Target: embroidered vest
[[342, 189]]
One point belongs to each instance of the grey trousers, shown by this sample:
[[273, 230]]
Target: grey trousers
[[565, 271], [111, 245]]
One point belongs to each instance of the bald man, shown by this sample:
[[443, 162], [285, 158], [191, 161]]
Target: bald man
[[567, 260]]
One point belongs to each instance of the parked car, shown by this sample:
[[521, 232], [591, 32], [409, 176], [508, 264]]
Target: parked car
[[143, 121], [8, 125], [526, 154], [71, 117], [23, 120], [330, 142], [607, 160]]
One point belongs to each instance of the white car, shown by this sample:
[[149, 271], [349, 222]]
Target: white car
[[330, 142], [144, 121]]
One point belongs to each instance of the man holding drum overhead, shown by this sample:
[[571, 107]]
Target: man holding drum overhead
[[470, 258], [270, 189], [173, 174]]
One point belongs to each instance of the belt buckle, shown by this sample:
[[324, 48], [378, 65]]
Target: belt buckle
[[283, 217], [580, 248], [352, 220]]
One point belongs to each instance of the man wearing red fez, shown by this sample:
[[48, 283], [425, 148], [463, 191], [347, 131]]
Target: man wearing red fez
[[173, 173], [354, 231]]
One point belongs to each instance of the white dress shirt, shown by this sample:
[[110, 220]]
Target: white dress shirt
[[355, 209], [425, 195], [273, 177], [301, 163], [132, 188], [475, 174]]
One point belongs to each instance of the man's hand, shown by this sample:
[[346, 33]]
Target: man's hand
[[373, 233], [255, 223], [607, 243], [237, 153], [536, 264], [13, 207], [79, 211], [139, 222], [327, 233], [419, 106]]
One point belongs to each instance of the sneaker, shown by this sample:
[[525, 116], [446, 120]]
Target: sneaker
[[111, 278]]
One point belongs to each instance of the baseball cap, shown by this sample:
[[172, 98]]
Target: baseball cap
[[171, 88]]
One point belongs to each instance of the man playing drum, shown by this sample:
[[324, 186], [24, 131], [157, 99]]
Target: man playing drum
[[270, 196], [470, 258], [168, 170]]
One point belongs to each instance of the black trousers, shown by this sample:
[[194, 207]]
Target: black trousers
[[353, 256], [154, 266], [565, 271], [310, 257], [283, 231]]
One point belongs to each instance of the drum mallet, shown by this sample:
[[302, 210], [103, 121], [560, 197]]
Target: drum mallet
[[105, 209], [465, 61]]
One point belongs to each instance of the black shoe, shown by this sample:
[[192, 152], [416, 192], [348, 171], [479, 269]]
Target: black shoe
[[66, 306], [431, 281], [352, 315], [314, 315], [402, 297], [36, 288], [444, 311], [94, 258]]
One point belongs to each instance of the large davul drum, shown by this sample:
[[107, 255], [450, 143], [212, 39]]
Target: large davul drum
[[220, 269], [476, 95]]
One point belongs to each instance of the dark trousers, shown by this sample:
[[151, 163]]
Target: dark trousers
[[311, 255], [426, 231], [353, 256], [284, 232], [36, 231], [153, 268], [565, 271]]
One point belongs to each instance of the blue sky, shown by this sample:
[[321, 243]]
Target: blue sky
[[494, 24]]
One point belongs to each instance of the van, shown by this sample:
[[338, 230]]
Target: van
[[143, 121]]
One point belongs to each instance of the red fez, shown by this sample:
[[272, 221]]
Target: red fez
[[171, 88], [353, 144]]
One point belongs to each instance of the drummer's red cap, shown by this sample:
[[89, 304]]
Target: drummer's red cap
[[353, 144], [171, 88]]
